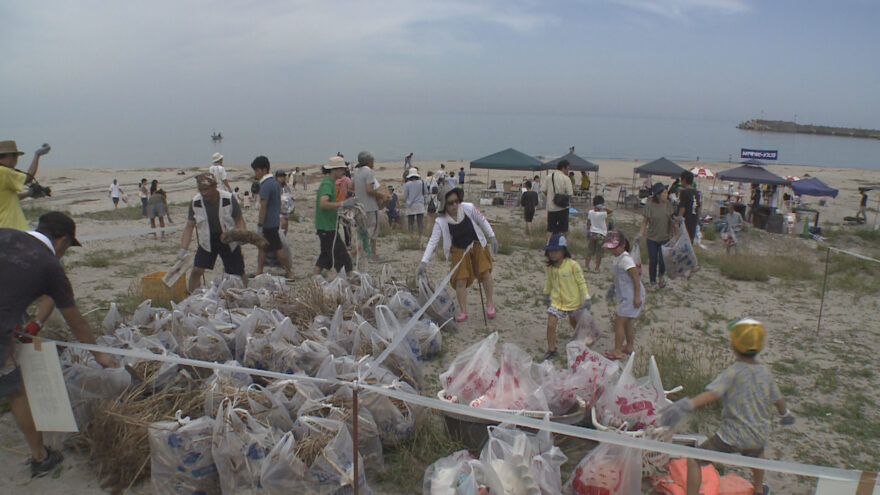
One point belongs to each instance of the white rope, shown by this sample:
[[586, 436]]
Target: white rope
[[857, 255]]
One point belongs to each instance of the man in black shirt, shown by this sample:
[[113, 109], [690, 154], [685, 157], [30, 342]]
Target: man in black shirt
[[30, 269], [862, 215], [689, 203], [529, 202]]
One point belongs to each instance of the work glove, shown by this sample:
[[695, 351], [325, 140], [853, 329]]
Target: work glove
[[348, 203], [546, 299], [672, 414], [493, 243], [787, 419], [421, 271], [42, 150], [587, 304], [181, 254], [638, 239], [610, 294]]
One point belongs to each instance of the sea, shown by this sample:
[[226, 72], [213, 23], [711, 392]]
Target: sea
[[460, 137]]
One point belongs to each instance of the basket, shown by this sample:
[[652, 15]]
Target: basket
[[473, 432], [152, 287]]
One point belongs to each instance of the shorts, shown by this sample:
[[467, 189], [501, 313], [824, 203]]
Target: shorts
[[559, 313], [233, 261], [594, 248], [115, 201], [476, 262], [557, 221], [373, 223], [10, 382], [715, 443], [334, 253], [271, 235], [155, 210], [529, 213]]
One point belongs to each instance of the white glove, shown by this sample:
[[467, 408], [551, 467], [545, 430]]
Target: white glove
[[421, 270], [672, 414], [493, 243], [638, 239], [42, 150], [181, 254], [348, 203]]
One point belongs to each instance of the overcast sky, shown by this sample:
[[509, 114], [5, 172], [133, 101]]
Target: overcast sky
[[112, 82]]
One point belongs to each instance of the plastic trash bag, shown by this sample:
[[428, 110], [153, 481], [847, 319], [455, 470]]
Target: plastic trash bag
[[180, 457], [332, 473], [223, 383], [679, 255], [239, 447], [267, 408], [471, 372], [630, 403], [113, 319], [404, 305], [460, 474], [282, 472], [590, 371], [442, 310], [586, 331], [560, 387], [513, 387], [525, 463], [207, 345], [607, 470], [396, 424]]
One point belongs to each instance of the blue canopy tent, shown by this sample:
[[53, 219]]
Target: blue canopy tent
[[813, 187]]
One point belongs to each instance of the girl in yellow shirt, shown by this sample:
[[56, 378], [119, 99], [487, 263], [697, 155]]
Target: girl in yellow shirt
[[565, 290]]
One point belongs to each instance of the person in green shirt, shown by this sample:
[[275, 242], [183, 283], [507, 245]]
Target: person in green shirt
[[333, 251]]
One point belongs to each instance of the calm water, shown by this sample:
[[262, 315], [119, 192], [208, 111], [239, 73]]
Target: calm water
[[464, 137]]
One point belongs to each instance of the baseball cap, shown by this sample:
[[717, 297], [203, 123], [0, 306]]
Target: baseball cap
[[747, 336], [57, 224], [557, 241], [615, 238]]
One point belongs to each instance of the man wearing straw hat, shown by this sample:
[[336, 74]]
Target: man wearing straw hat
[[12, 182], [219, 171], [212, 212], [31, 270]]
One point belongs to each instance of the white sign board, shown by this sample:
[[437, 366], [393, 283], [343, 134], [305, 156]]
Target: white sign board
[[44, 384]]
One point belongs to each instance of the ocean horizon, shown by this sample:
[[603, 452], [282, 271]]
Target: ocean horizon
[[455, 137]]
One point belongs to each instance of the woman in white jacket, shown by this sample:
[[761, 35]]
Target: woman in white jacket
[[459, 225]]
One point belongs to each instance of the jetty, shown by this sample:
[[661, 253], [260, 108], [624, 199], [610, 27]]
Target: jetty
[[791, 127]]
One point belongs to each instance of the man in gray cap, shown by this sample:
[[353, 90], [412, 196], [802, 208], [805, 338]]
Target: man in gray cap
[[365, 192], [30, 270]]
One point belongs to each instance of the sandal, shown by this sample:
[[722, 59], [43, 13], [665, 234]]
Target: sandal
[[613, 356], [461, 317], [662, 285], [491, 311]]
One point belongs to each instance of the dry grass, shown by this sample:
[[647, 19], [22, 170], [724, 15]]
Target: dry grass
[[759, 268], [117, 436]]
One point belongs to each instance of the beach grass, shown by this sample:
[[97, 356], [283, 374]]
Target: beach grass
[[123, 213], [759, 268], [33, 213]]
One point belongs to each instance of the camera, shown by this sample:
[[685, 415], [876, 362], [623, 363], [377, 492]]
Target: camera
[[35, 190]]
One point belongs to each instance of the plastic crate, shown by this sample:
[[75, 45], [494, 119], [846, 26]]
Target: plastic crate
[[152, 287]]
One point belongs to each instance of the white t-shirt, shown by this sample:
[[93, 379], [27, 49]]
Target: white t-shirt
[[115, 191], [440, 175], [597, 221], [625, 261], [219, 173]]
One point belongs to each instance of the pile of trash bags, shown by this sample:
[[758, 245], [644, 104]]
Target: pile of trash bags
[[261, 435]]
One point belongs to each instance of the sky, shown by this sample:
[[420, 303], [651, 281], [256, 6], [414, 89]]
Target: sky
[[144, 83]]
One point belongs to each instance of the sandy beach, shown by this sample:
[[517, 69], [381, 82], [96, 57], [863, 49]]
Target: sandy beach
[[829, 379]]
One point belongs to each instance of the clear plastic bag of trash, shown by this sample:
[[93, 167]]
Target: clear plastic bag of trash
[[180, 457]]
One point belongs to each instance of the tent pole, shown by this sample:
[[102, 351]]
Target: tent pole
[[822, 301]]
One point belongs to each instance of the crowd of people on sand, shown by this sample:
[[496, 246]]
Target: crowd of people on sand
[[468, 242]]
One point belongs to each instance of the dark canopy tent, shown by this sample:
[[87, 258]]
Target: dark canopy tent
[[752, 161], [575, 163], [813, 187], [660, 166], [751, 174], [509, 159]]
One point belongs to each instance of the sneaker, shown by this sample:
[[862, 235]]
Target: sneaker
[[491, 311], [765, 490], [461, 317], [549, 355], [45, 466]]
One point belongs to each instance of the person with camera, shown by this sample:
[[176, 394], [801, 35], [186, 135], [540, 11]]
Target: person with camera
[[12, 182], [30, 269], [558, 190]]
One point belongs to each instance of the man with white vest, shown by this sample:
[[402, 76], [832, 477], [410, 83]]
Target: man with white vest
[[211, 213]]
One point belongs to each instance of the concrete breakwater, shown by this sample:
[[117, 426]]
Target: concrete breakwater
[[791, 127]]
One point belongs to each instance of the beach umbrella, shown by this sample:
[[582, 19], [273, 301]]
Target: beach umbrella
[[703, 172]]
